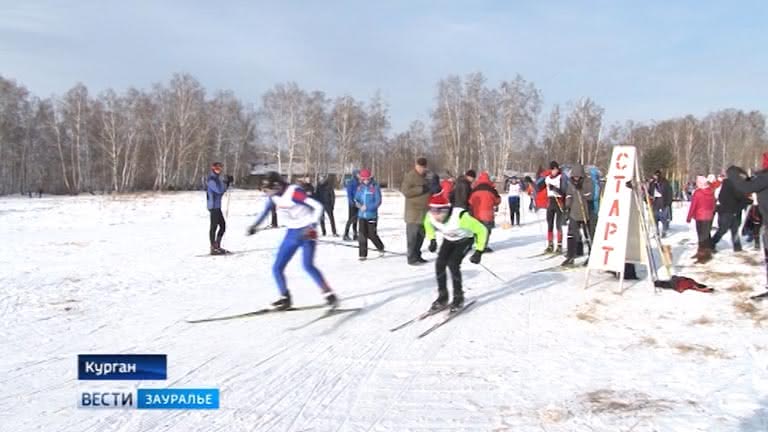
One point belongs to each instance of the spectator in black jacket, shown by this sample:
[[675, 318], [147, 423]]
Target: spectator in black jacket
[[732, 203], [758, 184], [661, 196], [462, 190], [326, 194]]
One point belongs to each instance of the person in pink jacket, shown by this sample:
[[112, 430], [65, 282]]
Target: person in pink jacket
[[702, 210]]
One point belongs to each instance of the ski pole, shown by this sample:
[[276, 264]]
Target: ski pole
[[226, 213], [491, 272], [331, 242]]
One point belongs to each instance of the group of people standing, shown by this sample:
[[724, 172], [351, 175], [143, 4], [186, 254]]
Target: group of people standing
[[463, 210]]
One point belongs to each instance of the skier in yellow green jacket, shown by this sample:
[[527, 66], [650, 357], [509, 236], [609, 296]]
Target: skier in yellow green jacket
[[460, 231]]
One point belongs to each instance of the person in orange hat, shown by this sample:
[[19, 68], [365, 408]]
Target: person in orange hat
[[460, 231]]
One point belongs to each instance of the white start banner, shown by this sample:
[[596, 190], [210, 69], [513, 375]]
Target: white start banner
[[618, 237]]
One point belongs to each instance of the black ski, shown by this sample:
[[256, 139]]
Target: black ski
[[760, 297], [257, 313], [421, 317], [451, 315]]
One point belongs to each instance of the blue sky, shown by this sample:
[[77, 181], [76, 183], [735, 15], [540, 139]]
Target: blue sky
[[640, 60]]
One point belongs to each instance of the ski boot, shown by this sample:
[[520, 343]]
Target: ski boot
[[346, 238], [332, 300], [439, 304], [217, 250], [549, 249], [283, 303], [458, 303], [559, 250], [381, 253], [569, 262], [362, 258]]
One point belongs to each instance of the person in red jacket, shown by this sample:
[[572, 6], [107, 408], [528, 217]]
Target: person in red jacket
[[702, 210], [446, 186], [541, 199], [482, 200]]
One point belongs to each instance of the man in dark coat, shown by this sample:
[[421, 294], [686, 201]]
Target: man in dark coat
[[577, 199], [731, 205], [758, 184], [661, 196], [417, 191], [326, 194], [462, 190]]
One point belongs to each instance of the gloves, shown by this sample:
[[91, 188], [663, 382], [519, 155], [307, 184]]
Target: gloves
[[432, 245], [475, 258], [310, 233], [228, 180], [252, 230]]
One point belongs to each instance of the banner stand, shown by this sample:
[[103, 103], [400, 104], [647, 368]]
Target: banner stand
[[621, 235]]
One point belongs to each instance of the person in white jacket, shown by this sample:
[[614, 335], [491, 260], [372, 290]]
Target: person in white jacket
[[514, 193]]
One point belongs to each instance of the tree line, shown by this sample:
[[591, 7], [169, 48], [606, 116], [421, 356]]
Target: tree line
[[165, 137]]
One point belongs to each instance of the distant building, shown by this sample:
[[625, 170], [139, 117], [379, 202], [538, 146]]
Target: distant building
[[258, 171]]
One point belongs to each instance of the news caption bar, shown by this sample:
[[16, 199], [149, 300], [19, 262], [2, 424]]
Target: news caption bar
[[138, 367], [132, 367]]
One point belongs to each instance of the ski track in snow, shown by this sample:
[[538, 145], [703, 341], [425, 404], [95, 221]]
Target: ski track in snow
[[101, 274]]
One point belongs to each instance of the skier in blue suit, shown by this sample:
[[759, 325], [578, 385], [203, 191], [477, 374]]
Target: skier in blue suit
[[300, 214]]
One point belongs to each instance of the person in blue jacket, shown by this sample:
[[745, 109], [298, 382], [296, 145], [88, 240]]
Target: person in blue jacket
[[351, 188], [216, 187], [367, 202]]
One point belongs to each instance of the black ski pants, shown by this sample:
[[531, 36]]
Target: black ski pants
[[727, 221], [450, 255], [351, 220], [329, 211], [367, 232], [703, 230], [217, 221]]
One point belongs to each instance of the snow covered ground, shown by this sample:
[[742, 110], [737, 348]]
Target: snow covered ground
[[99, 274]]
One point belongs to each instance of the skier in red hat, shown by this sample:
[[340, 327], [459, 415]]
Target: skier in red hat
[[460, 231]]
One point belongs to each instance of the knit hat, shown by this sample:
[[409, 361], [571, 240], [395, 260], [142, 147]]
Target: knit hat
[[471, 173], [439, 200], [365, 173], [553, 165], [273, 181]]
